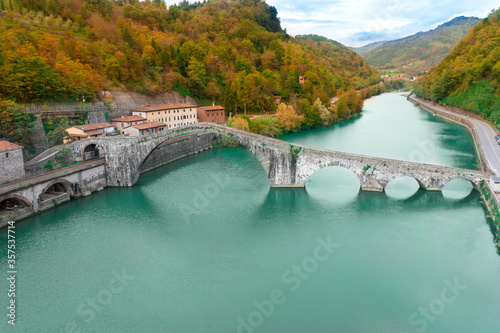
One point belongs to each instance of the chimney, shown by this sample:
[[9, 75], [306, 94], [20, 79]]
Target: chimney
[[213, 103]]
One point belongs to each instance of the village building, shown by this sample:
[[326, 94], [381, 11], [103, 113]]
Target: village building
[[127, 121], [145, 128], [11, 161], [277, 101], [212, 114], [82, 132], [173, 115], [302, 80]]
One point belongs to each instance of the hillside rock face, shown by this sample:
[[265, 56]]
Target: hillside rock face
[[134, 99], [126, 101]]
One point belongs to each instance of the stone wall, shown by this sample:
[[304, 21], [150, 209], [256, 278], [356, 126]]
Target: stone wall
[[97, 117], [11, 168], [178, 148], [39, 138]]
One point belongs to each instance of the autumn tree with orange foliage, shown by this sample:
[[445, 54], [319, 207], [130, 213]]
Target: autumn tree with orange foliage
[[288, 118], [240, 123]]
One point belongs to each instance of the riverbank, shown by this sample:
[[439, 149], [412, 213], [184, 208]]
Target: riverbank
[[459, 119], [469, 120]]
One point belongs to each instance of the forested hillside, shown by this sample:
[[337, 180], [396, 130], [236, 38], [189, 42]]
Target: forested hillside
[[230, 52], [416, 54], [469, 77], [366, 48]]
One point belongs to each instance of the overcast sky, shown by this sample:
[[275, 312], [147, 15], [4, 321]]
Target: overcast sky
[[359, 22]]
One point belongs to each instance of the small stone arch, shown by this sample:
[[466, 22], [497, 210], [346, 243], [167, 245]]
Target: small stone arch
[[416, 177], [335, 165], [58, 186], [475, 185], [92, 151], [419, 183], [13, 202]]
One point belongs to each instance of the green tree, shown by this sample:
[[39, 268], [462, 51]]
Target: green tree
[[323, 112], [16, 126]]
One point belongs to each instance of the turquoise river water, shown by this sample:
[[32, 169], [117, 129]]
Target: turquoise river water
[[204, 245]]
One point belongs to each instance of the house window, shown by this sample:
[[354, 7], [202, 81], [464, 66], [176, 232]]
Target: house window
[[142, 132], [123, 125], [7, 155]]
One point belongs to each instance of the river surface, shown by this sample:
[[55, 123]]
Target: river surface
[[203, 245]]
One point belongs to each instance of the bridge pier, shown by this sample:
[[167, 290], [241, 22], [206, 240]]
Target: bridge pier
[[372, 185]]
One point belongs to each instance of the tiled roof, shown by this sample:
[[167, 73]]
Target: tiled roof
[[159, 107], [93, 127], [150, 125], [211, 108], [128, 119], [6, 145], [96, 132]]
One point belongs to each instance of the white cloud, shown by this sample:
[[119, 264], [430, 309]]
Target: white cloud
[[358, 22]]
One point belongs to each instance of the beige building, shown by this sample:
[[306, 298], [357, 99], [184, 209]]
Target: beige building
[[127, 121], [145, 128], [82, 132], [11, 161], [173, 115]]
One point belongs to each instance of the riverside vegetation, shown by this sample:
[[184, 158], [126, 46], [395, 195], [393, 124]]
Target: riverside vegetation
[[309, 116], [468, 78]]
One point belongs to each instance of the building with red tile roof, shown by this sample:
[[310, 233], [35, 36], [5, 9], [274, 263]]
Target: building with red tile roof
[[82, 132], [211, 114], [173, 115], [127, 121], [145, 128]]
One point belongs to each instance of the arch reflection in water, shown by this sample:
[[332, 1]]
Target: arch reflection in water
[[457, 189], [402, 188], [333, 185]]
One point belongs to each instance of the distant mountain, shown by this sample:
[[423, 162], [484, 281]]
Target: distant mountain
[[366, 48], [416, 54], [469, 78]]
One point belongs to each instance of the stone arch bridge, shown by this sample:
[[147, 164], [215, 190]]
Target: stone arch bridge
[[119, 161], [285, 165]]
